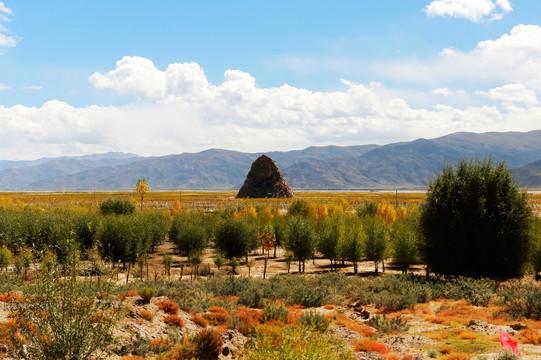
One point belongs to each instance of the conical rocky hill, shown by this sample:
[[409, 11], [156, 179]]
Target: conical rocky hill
[[265, 180]]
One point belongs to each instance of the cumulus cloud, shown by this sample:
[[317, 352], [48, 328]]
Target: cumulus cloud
[[473, 10], [512, 58], [6, 40], [513, 93], [182, 111]]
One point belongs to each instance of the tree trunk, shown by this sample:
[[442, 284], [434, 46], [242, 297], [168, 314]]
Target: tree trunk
[[375, 267]]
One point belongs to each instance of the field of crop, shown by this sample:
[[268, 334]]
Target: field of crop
[[166, 283]]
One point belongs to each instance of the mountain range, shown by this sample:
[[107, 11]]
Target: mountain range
[[404, 165]]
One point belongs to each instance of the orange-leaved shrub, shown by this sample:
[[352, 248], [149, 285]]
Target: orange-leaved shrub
[[530, 336], [199, 320], [10, 296], [147, 315], [457, 356], [131, 293], [168, 306], [174, 320], [158, 345], [371, 346]]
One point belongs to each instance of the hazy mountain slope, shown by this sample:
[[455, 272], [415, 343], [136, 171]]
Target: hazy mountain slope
[[20, 178], [399, 165], [412, 164], [529, 175], [209, 169]]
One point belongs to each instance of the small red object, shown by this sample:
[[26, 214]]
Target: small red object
[[508, 343]]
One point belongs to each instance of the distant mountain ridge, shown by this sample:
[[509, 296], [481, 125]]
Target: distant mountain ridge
[[399, 165]]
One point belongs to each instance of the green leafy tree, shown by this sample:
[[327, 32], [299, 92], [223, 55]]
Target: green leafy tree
[[300, 239], [475, 222], [351, 246], [369, 208], [117, 206], [375, 241], [188, 234], [535, 247], [301, 207], [236, 238], [330, 235], [6, 257], [23, 261], [406, 241]]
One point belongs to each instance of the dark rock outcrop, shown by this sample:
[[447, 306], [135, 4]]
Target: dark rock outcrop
[[265, 180]]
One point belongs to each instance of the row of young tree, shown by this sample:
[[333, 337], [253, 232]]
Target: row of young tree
[[116, 233], [474, 222]]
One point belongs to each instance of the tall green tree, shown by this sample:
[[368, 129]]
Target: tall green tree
[[351, 246], [475, 222], [535, 247], [375, 241], [330, 235], [300, 239], [406, 240], [236, 238], [188, 234]]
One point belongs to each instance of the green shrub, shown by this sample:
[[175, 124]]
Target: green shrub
[[384, 325], [117, 206], [251, 297], [507, 355], [294, 343], [314, 321], [65, 320], [273, 311], [146, 293]]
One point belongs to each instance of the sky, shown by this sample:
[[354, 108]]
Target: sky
[[166, 77]]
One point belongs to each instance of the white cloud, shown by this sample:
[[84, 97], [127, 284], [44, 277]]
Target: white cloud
[[4, 87], [5, 9], [6, 40], [511, 58], [473, 10], [33, 87], [182, 111], [514, 93], [442, 91]]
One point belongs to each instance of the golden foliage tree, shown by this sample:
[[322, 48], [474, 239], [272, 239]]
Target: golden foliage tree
[[141, 188]]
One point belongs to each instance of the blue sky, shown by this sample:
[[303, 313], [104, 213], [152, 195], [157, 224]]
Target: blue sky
[[156, 78]]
